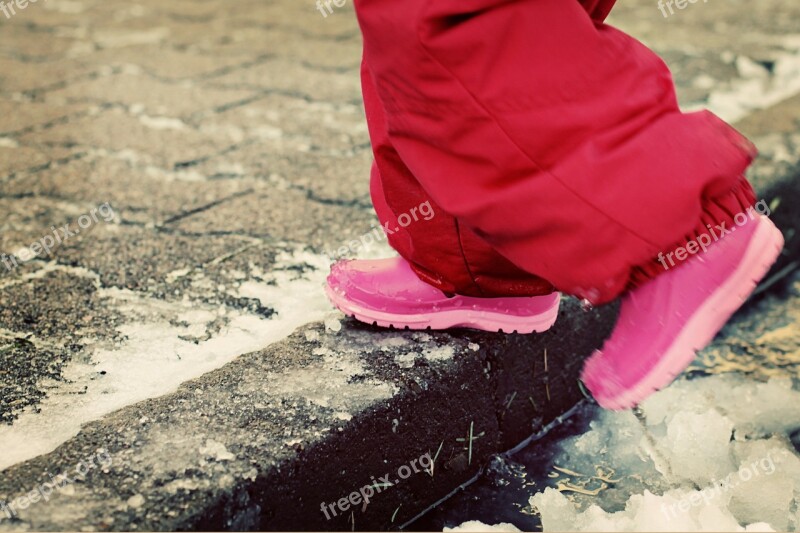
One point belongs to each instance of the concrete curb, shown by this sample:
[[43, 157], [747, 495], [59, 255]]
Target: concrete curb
[[262, 442], [265, 441]]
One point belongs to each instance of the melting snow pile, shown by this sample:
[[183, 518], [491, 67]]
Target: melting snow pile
[[477, 526], [716, 456], [756, 87]]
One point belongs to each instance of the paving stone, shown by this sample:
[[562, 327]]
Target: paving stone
[[137, 195], [281, 74], [24, 368], [29, 218], [301, 17], [239, 447], [282, 215], [321, 124], [165, 62], [312, 49], [146, 95], [23, 116], [161, 142], [28, 76], [19, 42], [15, 158]]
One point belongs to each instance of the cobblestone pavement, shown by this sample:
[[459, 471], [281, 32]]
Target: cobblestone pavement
[[205, 154]]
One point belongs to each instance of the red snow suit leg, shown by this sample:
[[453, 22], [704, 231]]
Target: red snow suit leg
[[550, 145], [443, 252]]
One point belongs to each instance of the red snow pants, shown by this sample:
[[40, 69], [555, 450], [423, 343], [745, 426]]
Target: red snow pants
[[549, 144]]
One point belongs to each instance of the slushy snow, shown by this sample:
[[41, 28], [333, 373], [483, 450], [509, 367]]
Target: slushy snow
[[708, 454], [715, 456], [477, 526]]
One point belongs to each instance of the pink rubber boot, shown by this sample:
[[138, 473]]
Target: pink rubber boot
[[388, 293], [663, 323]]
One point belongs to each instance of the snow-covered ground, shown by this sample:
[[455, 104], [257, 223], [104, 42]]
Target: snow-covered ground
[[755, 87], [160, 351], [708, 454]]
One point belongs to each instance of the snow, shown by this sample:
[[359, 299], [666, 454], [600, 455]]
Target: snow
[[324, 382], [216, 451], [695, 446], [440, 353], [393, 342], [756, 88], [474, 525], [333, 324], [136, 501], [155, 359], [406, 360], [643, 512], [710, 454], [162, 123]]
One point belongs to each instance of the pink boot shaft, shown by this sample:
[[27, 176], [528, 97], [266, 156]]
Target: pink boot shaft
[[663, 323], [387, 292]]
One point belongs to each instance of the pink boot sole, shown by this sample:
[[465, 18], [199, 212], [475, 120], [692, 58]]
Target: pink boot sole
[[478, 315], [701, 328]]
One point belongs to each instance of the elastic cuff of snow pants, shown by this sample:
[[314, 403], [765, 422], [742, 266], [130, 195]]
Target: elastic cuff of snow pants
[[720, 213]]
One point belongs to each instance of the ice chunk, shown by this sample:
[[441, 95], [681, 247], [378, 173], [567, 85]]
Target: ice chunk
[[679, 510], [556, 511], [764, 500], [475, 525], [216, 451], [771, 407], [440, 353], [333, 324], [392, 342], [764, 486], [750, 69], [707, 454], [697, 446], [406, 360], [682, 449]]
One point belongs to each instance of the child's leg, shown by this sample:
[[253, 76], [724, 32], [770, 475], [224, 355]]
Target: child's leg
[[555, 138], [466, 282], [598, 9], [442, 251], [558, 141]]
